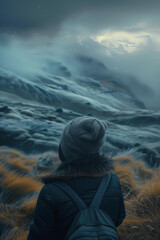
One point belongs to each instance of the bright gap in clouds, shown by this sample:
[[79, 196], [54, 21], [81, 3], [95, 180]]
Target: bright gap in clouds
[[120, 42], [136, 53]]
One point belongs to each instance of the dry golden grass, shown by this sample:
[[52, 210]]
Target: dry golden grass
[[15, 182], [126, 176], [20, 182], [28, 206], [16, 234], [11, 216], [143, 209], [11, 152], [19, 164]]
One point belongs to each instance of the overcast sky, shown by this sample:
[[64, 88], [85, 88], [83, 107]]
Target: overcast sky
[[127, 31], [124, 23], [96, 15]]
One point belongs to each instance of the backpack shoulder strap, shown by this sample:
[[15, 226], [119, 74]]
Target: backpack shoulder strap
[[100, 192], [71, 194]]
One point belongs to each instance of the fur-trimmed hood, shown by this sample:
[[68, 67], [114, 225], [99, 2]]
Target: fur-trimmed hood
[[97, 167]]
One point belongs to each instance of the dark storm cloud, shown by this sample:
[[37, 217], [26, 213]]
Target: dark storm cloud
[[20, 16]]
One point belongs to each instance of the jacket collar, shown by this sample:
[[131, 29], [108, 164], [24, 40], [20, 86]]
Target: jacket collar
[[53, 177], [87, 168]]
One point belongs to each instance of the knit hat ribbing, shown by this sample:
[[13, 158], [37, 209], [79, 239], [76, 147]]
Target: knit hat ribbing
[[81, 137]]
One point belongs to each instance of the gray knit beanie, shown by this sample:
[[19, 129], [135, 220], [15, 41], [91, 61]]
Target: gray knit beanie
[[83, 136]]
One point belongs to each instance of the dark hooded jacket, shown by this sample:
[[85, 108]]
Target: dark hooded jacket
[[55, 211]]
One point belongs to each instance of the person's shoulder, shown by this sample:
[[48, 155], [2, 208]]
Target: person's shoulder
[[115, 178], [51, 193], [49, 188]]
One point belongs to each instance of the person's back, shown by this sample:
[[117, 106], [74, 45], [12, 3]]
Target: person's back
[[55, 211]]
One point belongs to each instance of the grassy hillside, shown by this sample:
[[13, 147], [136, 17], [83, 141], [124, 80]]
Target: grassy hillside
[[20, 183]]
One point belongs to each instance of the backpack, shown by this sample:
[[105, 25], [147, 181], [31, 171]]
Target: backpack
[[90, 223]]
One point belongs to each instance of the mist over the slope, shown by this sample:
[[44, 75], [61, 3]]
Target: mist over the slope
[[45, 82], [16, 56], [85, 57], [102, 39], [140, 65]]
